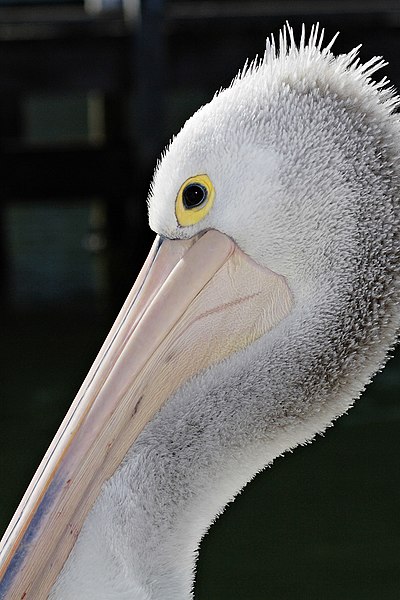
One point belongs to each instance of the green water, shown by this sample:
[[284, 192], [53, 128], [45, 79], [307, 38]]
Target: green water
[[322, 523]]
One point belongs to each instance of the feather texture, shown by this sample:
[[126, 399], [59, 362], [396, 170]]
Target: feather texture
[[303, 150]]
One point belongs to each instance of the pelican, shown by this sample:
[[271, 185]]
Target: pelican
[[269, 299]]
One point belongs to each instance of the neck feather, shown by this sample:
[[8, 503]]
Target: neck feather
[[141, 538]]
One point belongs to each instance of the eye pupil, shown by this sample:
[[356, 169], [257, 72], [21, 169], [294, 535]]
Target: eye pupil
[[194, 195]]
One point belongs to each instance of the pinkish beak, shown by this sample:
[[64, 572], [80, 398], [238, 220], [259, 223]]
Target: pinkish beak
[[186, 290]]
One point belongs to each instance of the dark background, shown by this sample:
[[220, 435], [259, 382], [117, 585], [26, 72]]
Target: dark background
[[88, 98]]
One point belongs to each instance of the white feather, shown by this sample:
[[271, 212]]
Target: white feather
[[303, 150]]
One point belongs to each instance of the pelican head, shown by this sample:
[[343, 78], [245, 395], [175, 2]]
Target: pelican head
[[269, 300]]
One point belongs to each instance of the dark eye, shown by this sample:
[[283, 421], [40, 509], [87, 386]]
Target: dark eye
[[194, 195]]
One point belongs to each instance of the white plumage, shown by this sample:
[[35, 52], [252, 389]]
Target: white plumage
[[303, 151]]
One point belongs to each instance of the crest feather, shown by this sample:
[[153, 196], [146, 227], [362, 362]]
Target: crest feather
[[312, 53]]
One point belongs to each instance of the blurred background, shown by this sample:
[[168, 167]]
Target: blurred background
[[90, 92]]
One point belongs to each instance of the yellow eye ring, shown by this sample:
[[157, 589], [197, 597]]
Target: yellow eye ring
[[194, 200]]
